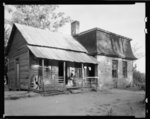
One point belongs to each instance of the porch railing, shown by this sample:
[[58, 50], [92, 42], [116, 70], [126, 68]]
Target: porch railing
[[90, 82], [60, 79]]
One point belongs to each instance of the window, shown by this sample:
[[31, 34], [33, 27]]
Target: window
[[114, 68], [124, 69]]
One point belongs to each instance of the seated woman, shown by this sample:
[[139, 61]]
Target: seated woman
[[70, 81], [69, 84]]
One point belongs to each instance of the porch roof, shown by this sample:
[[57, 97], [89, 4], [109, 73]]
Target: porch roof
[[61, 54]]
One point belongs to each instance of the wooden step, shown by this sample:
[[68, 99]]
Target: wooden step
[[53, 92], [74, 90]]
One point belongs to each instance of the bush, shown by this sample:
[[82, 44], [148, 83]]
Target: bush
[[139, 79]]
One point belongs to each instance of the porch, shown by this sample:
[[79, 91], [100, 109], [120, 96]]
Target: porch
[[52, 75], [57, 69]]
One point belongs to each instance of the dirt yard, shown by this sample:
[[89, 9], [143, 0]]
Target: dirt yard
[[102, 103]]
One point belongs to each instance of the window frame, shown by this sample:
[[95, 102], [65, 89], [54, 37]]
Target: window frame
[[125, 69], [114, 69]]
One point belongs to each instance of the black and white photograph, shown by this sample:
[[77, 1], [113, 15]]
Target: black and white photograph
[[74, 60]]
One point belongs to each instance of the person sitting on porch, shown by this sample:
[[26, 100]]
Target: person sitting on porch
[[73, 79], [69, 84], [70, 81]]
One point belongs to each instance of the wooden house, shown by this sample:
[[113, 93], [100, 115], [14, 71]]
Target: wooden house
[[42, 60]]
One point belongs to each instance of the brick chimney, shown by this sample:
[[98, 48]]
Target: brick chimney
[[75, 28]]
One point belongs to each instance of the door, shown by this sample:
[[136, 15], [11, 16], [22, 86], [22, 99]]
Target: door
[[17, 79]]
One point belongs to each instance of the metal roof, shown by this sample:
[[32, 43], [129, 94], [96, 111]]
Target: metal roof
[[41, 37], [64, 55]]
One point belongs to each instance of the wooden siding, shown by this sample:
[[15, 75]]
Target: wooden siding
[[18, 50], [51, 78], [18, 45], [11, 73], [24, 70]]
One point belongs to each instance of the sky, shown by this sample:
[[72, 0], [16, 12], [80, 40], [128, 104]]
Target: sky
[[126, 20]]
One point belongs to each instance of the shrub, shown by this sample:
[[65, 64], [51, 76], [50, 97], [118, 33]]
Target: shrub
[[139, 79]]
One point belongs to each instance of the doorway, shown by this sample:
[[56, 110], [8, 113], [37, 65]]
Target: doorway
[[17, 80], [61, 70]]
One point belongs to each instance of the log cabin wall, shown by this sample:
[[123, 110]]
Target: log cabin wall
[[18, 67]]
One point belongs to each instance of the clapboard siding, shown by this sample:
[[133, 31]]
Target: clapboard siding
[[24, 86], [24, 74], [22, 65], [24, 70], [11, 77], [23, 81], [18, 50], [17, 44], [11, 74]]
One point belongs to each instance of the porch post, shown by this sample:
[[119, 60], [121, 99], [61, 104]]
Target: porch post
[[96, 74], [82, 75], [43, 72], [64, 67]]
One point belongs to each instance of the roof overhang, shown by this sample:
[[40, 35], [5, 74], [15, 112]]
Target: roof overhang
[[62, 55]]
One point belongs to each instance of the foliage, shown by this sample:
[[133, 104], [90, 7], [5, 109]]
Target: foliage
[[40, 16], [138, 79], [137, 50]]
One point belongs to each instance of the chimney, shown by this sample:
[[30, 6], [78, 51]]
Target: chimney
[[75, 28]]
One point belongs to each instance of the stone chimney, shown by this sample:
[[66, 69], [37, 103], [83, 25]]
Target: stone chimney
[[75, 28]]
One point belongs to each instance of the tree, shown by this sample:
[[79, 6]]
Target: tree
[[40, 16], [137, 50]]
